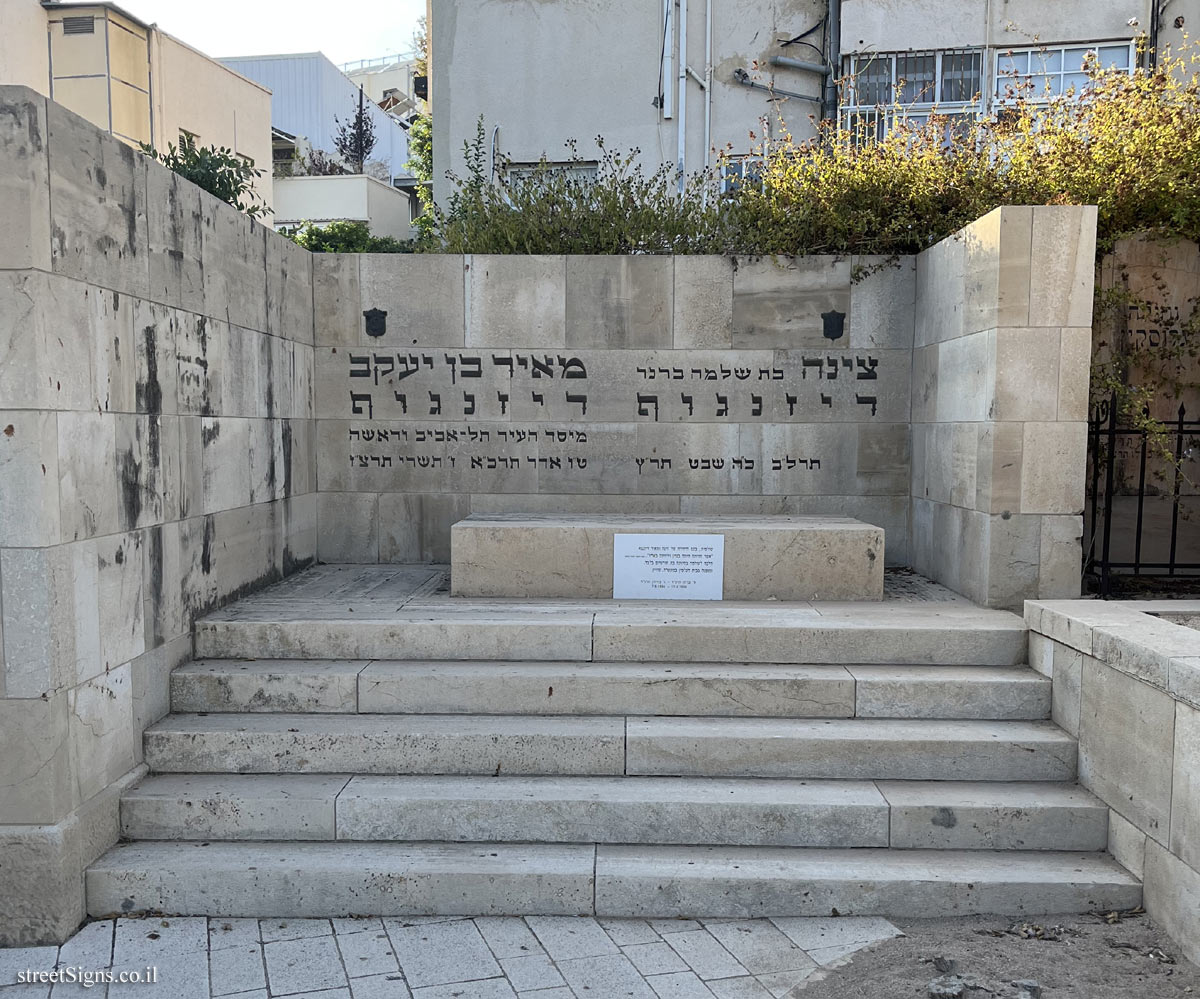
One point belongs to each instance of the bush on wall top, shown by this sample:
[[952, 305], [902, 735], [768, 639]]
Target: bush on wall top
[[1129, 144]]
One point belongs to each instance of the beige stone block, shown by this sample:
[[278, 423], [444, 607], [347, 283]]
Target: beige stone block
[[1013, 565], [120, 610], [175, 229], [41, 884], [24, 180], [1072, 622], [1041, 654], [26, 381], [150, 679], [1027, 375], [924, 384], [1060, 555], [1144, 648], [703, 316], [99, 200], [516, 301], [50, 617], [1063, 268], [29, 478], [434, 318], [997, 270], [235, 267], [779, 302], [337, 300], [1172, 897], [765, 558], [1184, 680], [1067, 678], [348, 527], [39, 786], [199, 360], [966, 378], [101, 725], [156, 364], [940, 313], [883, 293], [619, 301], [1185, 797], [998, 475], [289, 289], [416, 528], [246, 550], [1074, 373], [1127, 843], [1126, 742], [299, 532], [1053, 464]]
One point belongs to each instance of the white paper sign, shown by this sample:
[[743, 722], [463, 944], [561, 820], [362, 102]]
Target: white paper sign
[[668, 566]]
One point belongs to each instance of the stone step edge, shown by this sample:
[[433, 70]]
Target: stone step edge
[[895, 811], [383, 879]]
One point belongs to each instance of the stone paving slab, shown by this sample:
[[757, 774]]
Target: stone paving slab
[[536, 957]]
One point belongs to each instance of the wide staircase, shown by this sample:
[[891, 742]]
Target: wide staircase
[[356, 741]]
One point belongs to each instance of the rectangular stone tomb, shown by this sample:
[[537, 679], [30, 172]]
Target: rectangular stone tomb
[[765, 558]]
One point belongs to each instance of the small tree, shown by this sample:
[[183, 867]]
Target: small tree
[[420, 44], [356, 138], [221, 172]]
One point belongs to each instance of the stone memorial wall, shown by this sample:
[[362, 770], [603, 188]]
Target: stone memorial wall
[[449, 385], [155, 461]]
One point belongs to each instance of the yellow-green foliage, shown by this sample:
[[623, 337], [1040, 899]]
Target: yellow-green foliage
[[1129, 144]]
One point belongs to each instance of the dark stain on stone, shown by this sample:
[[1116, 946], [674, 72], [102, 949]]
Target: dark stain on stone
[[149, 392], [130, 472], [154, 558], [206, 548], [286, 440], [944, 818], [870, 554], [210, 433], [116, 301], [119, 558], [101, 177]]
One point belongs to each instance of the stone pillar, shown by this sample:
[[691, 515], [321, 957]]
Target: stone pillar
[[1000, 401]]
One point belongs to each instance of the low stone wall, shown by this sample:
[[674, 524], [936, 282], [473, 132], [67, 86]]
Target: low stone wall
[[155, 460], [1126, 682]]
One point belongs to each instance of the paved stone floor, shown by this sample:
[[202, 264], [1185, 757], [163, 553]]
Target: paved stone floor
[[538, 957]]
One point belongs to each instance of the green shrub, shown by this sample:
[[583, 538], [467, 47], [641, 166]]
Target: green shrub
[[219, 171], [347, 237]]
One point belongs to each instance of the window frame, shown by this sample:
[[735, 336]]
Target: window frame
[[1002, 80]]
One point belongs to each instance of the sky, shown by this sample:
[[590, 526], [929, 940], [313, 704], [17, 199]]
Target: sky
[[345, 30]]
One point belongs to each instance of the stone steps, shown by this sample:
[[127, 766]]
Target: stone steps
[[615, 631], [855, 748], [391, 879], [647, 810], [572, 688]]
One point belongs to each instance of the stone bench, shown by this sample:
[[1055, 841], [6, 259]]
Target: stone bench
[[765, 558]]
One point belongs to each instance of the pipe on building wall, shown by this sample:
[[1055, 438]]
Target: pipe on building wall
[[742, 77], [708, 75], [668, 64], [808, 67], [681, 122], [830, 104]]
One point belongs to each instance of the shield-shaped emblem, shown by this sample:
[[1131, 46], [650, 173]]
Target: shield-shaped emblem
[[376, 322], [835, 325]]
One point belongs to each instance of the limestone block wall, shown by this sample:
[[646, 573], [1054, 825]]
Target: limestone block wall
[[642, 384], [1126, 682], [999, 408], [156, 459]]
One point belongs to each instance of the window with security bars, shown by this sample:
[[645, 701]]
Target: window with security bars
[[952, 76], [1053, 71]]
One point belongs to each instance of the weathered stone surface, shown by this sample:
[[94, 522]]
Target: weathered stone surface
[[1062, 265], [780, 302], [703, 316], [949, 692], [226, 807], [619, 301], [849, 748], [24, 183], [386, 879], [39, 786], [1052, 467], [766, 558], [1067, 679], [1027, 374], [1173, 897], [175, 222], [605, 689], [283, 743], [997, 269], [260, 685], [1126, 742], [234, 285], [725, 882], [882, 301], [41, 883], [613, 810], [1185, 787], [1144, 648], [948, 815], [514, 301], [1127, 843], [29, 478], [434, 318], [337, 301], [100, 715]]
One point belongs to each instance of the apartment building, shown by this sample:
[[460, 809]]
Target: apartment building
[[686, 80]]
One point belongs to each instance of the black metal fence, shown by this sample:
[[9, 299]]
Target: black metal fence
[[1119, 506]]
